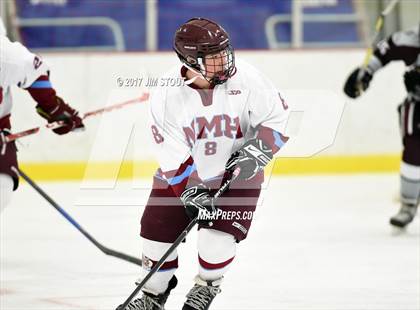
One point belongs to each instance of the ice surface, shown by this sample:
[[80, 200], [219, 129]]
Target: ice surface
[[317, 243]]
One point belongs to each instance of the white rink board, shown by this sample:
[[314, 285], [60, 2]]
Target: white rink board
[[329, 249], [87, 81]]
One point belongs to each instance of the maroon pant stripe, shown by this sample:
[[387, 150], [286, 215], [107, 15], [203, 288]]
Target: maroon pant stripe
[[210, 266], [166, 265]]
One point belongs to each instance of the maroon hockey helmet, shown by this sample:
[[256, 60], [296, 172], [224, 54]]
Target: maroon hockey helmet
[[204, 46]]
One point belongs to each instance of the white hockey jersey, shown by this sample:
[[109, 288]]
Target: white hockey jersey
[[18, 66], [183, 124]]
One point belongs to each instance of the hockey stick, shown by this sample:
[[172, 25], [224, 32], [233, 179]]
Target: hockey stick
[[177, 242], [378, 27], [28, 132], [369, 52], [72, 221]]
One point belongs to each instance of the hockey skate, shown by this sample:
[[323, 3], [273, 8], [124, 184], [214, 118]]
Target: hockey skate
[[152, 302], [202, 294], [405, 216]]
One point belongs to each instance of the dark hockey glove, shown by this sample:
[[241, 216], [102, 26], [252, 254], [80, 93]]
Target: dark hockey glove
[[62, 112], [357, 82], [412, 81], [197, 200], [252, 157]]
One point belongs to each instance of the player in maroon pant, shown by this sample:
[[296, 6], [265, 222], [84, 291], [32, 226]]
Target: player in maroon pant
[[227, 115], [19, 67], [401, 46]]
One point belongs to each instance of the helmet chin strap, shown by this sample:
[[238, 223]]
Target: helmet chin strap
[[199, 75], [190, 81]]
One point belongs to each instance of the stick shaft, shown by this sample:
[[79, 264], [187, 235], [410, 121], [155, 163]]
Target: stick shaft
[[389, 7], [176, 243], [143, 97], [12, 137], [378, 26], [72, 221]]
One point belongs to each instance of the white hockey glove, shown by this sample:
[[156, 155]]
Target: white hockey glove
[[252, 157]]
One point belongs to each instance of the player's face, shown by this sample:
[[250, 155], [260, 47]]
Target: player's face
[[217, 65]]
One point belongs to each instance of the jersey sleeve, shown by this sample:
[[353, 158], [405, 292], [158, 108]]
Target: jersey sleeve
[[268, 112], [403, 45], [19, 66], [171, 147]]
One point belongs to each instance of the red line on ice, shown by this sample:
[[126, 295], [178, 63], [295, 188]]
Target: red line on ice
[[59, 302]]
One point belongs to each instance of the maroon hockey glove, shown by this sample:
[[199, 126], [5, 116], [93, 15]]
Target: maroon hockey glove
[[198, 202], [62, 112], [357, 82], [252, 157]]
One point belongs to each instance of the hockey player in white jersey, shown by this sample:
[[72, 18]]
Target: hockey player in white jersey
[[19, 67], [401, 46], [226, 115]]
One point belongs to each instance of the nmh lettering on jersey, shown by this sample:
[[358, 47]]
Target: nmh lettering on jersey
[[220, 125]]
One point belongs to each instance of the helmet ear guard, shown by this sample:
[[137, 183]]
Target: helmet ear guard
[[191, 64], [191, 60]]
